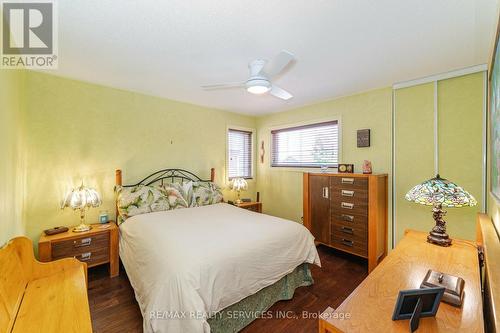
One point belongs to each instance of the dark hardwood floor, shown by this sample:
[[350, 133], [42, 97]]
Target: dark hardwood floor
[[114, 309]]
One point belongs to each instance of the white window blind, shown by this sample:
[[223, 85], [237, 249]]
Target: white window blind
[[239, 153], [306, 146]]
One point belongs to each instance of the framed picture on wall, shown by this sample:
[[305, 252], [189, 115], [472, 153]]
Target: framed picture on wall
[[495, 120]]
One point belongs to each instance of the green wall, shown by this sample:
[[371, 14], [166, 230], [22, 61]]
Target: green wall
[[414, 153], [79, 131], [12, 154], [65, 131], [281, 188], [460, 124]]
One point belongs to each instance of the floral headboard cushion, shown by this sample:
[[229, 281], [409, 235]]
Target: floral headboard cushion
[[175, 195], [198, 193], [142, 199], [205, 193]]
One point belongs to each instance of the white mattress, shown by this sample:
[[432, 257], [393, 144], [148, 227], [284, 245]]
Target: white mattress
[[187, 264]]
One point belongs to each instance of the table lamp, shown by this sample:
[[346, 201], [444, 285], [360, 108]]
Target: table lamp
[[81, 198], [440, 192], [238, 185]]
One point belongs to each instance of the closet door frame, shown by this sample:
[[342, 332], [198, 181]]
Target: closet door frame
[[435, 79]]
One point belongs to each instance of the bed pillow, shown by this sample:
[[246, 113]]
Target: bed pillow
[[174, 194], [204, 193], [140, 199]]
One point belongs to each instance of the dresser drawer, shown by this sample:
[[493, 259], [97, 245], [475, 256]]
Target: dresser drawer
[[74, 247], [349, 183], [350, 219], [350, 244], [350, 195], [351, 233], [349, 207]]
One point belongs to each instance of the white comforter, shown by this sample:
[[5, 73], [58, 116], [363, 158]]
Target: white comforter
[[187, 264]]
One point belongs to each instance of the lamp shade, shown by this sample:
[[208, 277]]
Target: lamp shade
[[440, 191], [239, 184], [81, 197]]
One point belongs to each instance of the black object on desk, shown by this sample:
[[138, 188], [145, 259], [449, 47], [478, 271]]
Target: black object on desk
[[416, 303]]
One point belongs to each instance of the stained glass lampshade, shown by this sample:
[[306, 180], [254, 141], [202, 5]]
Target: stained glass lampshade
[[81, 198], [440, 192]]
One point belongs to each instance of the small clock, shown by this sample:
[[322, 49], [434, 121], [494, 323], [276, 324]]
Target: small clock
[[346, 168]]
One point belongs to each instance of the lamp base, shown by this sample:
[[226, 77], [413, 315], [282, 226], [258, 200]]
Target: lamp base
[[82, 227], [438, 234], [441, 239]]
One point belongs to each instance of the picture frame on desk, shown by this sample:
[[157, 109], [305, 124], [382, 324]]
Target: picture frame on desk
[[414, 304], [408, 299]]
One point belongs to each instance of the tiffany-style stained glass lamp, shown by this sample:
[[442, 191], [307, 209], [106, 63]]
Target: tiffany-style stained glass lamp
[[440, 192]]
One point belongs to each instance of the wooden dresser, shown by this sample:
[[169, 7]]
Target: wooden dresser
[[348, 212], [369, 308]]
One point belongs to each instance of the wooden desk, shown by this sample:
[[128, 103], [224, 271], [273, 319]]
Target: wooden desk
[[371, 305]]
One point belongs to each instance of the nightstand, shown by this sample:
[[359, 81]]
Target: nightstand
[[95, 247], [253, 206]]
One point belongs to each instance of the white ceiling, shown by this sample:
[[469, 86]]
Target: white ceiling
[[170, 48]]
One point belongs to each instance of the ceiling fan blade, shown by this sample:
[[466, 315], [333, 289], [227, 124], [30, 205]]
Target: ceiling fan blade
[[278, 64], [256, 67], [224, 85], [280, 93]]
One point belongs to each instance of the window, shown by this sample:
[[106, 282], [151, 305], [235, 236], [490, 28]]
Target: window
[[239, 153], [306, 146]]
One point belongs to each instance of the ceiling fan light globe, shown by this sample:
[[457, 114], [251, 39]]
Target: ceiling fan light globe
[[258, 86], [258, 90]]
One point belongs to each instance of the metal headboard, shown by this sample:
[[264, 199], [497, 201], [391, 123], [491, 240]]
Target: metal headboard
[[160, 176], [166, 174]]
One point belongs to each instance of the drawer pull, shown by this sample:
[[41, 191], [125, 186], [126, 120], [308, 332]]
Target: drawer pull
[[83, 242], [347, 193], [347, 205], [85, 256], [347, 242], [348, 218], [347, 180], [325, 192], [347, 230]]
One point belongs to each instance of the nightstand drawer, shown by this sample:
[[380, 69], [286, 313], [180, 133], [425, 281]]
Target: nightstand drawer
[[73, 247], [251, 206], [91, 257]]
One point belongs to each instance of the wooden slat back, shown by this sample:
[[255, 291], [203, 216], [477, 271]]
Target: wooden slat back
[[13, 280], [488, 238]]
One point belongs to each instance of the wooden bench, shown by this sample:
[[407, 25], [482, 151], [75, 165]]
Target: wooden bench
[[41, 297]]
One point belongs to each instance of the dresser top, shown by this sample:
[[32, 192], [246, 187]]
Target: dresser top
[[346, 175], [371, 305]]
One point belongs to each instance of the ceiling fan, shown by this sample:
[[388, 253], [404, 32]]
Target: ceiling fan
[[261, 72]]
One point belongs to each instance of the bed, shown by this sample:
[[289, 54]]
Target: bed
[[211, 268]]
